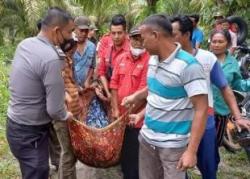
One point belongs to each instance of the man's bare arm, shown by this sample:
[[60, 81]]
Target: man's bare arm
[[137, 96], [105, 86], [188, 159]]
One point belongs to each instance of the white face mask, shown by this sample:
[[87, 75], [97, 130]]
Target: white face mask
[[136, 51]]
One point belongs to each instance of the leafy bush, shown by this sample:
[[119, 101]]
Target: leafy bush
[[6, 53], [4, 95], [8, 165]]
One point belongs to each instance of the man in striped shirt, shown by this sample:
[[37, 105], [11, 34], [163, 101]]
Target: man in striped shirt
[[176, 108]]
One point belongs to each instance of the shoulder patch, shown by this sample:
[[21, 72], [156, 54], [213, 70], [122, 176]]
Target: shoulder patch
[[60, 53]]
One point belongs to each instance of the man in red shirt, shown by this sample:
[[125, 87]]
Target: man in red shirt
[[110, 47], [129, 75]]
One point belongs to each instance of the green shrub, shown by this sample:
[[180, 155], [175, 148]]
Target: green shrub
[[6, 53], [8, 165]]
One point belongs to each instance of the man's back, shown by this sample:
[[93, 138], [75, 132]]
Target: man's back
[[207, 60], [36, 66]]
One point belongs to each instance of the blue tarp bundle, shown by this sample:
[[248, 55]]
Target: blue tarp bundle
[[97, 116]]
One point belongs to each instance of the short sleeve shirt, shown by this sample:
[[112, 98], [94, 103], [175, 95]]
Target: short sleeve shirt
[[36, 84], [83, 63], [109, 56], [169, 111]]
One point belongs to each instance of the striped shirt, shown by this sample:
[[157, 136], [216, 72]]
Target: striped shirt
[[71, 87], [169, 111]]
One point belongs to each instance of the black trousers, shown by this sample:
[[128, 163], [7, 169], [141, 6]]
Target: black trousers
[[130, 154], [221, 124], [29, 144]]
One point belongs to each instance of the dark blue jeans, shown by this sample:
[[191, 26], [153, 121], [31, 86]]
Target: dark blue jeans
[[29, 144], [208, 155]]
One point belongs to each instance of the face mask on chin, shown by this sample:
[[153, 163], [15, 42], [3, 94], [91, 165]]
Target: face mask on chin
[[136, 51]]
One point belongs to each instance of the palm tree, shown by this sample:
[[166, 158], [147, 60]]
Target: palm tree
[[152, 6], [19, 17], [101, 11], [14, 18]]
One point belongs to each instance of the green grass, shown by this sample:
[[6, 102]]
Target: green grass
[[232, 166]]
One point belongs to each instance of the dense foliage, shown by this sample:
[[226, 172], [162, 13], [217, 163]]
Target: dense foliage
[[5, 58], [25, 13]]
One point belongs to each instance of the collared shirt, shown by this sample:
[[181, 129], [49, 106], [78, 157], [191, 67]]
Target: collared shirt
[[104, 44], [36, 84], [231, 70], [169, 111], [129, 75], [108, 54], [83, 63], [70, 87]]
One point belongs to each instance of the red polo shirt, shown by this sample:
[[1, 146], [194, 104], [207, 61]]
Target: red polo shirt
[[129, 75], [107, 52]]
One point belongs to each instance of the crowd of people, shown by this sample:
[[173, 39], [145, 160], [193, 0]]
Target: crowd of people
[[188, 93]]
